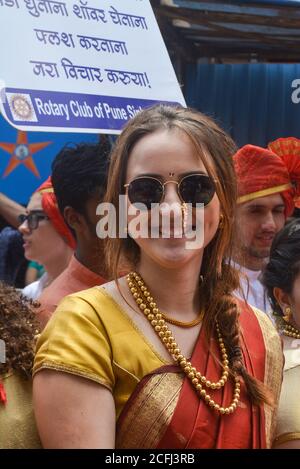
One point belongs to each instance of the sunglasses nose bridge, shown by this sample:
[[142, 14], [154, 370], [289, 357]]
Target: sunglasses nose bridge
[[24, 226], [171, 194]]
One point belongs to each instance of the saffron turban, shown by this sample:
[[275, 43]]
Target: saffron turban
[[289, 151], [261, 172], [51, 209]]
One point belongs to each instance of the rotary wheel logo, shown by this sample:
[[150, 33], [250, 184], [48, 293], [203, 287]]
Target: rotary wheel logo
[[22, 152], [21, 107]]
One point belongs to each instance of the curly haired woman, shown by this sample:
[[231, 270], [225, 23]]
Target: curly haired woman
[[18, 328]]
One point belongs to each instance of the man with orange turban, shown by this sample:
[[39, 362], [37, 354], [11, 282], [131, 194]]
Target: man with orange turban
[[268, 184]]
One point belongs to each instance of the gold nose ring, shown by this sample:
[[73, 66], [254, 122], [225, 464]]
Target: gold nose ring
[[184, 216]]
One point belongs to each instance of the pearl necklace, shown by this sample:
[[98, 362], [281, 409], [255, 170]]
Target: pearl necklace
[[291, 331], [145, 302]]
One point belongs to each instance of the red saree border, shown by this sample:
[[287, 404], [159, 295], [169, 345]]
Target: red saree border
[[139, 387], [149, 411]]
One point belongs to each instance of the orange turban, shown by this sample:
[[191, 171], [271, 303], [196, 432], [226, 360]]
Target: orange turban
[[51, 209], [260, 172], [289, 151]]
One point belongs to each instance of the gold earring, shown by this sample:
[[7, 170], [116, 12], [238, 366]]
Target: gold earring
[[287, 315]]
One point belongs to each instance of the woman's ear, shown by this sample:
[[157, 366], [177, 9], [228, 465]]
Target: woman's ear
[[282, 298]]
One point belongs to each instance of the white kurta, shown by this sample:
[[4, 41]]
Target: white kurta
[[253, 291], [288, 418], [34, 289]]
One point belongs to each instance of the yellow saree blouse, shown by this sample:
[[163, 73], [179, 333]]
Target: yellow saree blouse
[[288, 421], [17, 424], [85, 345]]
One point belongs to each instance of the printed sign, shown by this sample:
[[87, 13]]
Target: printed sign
[[81, 65]]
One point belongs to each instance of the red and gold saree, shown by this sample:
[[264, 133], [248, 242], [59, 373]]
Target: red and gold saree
[[164, 411]]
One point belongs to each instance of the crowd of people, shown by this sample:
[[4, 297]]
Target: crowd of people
[[138, 341]]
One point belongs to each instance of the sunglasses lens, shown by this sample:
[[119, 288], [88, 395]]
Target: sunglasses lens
[[22, 218], [197, 189], [145, 191], [33, 221]]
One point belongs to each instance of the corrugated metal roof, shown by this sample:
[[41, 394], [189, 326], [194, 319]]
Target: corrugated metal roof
[[237, 30], [253, 102]]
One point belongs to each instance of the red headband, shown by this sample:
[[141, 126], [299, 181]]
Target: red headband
[[51, 209]]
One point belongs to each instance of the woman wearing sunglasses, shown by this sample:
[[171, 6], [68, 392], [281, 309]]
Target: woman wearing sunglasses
[[47, 239], [164, 357]]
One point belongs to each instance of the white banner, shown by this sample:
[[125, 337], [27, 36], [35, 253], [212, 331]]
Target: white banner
[[81, 65]]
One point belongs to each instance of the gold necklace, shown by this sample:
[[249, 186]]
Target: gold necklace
[[175, 322], [146, 303], [291, 331]]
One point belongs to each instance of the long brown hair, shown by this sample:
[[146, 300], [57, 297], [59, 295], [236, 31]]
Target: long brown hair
[[220, 278]]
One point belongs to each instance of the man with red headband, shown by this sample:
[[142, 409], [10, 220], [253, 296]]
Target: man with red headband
[[267, 186]]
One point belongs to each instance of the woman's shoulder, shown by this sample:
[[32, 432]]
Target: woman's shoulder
[[88, 334], [93, 308], [92, 300], [96, 291], [87, 319]]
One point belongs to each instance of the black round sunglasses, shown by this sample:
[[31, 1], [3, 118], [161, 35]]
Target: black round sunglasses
[[192, 189], [33, 218]]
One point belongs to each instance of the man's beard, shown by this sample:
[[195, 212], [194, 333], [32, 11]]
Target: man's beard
[[257, 253]]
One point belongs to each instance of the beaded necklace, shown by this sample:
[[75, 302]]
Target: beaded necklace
[[291, 331], [147, 305]]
